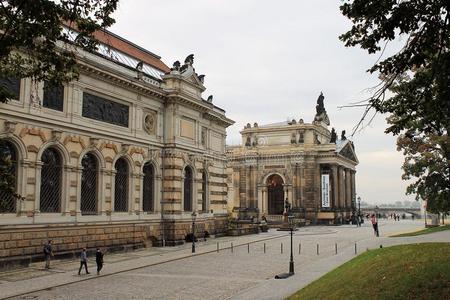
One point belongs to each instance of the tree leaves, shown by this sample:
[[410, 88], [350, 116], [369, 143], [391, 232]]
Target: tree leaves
[[32, 45], [31, 34], [418, 77]]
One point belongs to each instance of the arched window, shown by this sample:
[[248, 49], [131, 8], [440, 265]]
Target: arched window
[[148, 187], [8, 159], [121, 186], [89, 184], [204, 192], [51, 175], [187, 201]]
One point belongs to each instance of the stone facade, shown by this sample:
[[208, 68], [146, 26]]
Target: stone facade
[[136, 131], [297, 161]]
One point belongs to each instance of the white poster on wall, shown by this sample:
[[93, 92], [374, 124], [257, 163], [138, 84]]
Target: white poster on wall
[[326, 190]]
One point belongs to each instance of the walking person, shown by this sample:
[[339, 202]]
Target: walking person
[[375, 224], [48, 253], [83, 261], [99, 260]]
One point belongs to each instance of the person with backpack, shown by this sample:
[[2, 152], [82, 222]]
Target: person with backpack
[[48, 253], [83, 261]]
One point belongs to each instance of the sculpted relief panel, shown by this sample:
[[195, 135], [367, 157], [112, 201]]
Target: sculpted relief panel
[[150, 121]]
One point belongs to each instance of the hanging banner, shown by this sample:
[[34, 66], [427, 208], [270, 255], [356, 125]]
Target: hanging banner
[[326, 190]]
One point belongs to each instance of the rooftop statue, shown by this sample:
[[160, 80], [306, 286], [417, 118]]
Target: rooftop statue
[[343, 138], [321, 113], [176, 66], [333, 136], [189, 60], [320, 108]]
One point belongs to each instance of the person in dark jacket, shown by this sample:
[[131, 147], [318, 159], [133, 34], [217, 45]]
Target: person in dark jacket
[[83, 261], [48, 253], [99, 260]]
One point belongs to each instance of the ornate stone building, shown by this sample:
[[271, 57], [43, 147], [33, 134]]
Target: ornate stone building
[[302, 162], [122, 156]]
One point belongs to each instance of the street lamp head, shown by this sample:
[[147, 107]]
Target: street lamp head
[[359, 199], [291, 219], [194, 216]]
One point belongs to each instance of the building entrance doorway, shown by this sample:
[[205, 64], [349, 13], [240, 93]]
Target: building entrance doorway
[[275, 194]]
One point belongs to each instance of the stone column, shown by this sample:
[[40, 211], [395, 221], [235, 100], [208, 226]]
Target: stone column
[[296, 187], [260, 200], [348, 194], [301, 184], [37, 187], [341, 187], [112, 197], [101, 209], [76, 184], [158, 187], [247, 186], [335, 187], [317, 187], [353, 187], [139, 193], [264, 200], [290, 194]]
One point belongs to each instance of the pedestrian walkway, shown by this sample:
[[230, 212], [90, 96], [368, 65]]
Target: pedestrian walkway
[[243, 268]]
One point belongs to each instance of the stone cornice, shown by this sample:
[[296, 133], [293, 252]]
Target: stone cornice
[[141, 87]]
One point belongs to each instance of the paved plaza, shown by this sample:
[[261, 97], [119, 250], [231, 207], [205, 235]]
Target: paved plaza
[[244, 272]]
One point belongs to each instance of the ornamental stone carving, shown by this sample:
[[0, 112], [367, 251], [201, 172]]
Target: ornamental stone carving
[[150, 123]]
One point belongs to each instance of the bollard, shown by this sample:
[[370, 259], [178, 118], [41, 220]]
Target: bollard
[[248, 248], [299, 247], [355, 249], [317, 249], [217, 247], [335, 247], [231, 247], [281, 248], [264, 247]]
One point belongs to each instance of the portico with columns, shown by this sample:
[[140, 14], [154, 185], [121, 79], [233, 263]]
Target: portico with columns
[[303, 163]]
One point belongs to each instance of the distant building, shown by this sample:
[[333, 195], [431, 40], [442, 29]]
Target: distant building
[[304, 163], [121, 157]]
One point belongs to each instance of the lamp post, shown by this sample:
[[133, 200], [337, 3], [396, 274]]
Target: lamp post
[[194, 216], [359, 206], [291, 262]]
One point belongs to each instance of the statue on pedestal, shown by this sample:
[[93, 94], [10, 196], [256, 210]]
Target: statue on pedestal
[[321, 113]]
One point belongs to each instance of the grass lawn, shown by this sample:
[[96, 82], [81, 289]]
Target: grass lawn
[[424, 231], [416, 271]]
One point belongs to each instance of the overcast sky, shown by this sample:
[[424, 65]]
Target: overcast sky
[[267, 61]]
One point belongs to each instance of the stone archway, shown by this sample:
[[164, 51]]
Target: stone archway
[[275, 194]]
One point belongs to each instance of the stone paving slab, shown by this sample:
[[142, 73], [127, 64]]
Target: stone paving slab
[[177, 274]]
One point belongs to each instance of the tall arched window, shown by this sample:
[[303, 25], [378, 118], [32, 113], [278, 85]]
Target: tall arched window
[[187, 201], [89, 184], [51, 175], [149, 187], [121, 186], [8, 159], [204, 192]]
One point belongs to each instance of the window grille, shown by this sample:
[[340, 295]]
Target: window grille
[[51, 181], [89, 185], [121, 186], [53, 96], [148, 188], [187, 189], [8, 155]]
